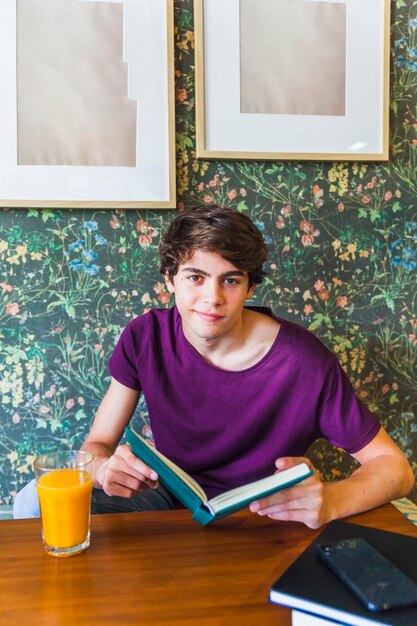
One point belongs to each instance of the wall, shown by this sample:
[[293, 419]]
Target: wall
[[343, 244]]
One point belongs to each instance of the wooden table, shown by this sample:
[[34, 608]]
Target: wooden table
[[158, 568]]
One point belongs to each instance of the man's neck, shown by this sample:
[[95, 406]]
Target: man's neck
[[242, 348], [215, 350]]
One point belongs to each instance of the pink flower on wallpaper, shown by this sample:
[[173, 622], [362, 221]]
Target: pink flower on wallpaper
[[115, 222], [310, 233], [307, 240], [12, 308], [145, 241], [318, 194], [342, 302], [159, 287], [146, 431], [142, 226], [324, 294], [164, 298], [181, 95], [306, 227]]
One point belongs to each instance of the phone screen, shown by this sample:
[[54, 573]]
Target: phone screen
[[377, 582]]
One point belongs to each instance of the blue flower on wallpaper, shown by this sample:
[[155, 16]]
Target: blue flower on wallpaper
[[88, 268], [91, 225], [401, 42], [77, 245], [91, 269], [408, 253], [76, 265], [90, 255], [397, 243], [400, 61], [100, 240], [406, 260], [412, 52], [411, 225], [412, 65], [413, 23], [260, 225]]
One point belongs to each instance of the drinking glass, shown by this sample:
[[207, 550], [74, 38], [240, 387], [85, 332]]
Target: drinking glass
[[64, 482]]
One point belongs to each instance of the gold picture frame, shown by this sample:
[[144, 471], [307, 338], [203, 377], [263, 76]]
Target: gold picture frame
[[146, 64], [224, 131]]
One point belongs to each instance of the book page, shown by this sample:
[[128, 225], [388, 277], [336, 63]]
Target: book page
[[257, 488]]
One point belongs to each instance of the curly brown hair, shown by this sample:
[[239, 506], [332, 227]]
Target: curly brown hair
[[214, 229]]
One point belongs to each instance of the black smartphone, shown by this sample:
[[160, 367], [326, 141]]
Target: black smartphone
[[377, 582]]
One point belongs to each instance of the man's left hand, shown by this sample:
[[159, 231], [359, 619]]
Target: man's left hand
[[304, 502]]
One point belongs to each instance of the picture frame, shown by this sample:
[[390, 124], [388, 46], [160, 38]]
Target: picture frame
[[236, 115], [138, 67]]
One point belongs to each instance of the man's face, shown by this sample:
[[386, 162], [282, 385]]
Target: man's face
[[210, 294]]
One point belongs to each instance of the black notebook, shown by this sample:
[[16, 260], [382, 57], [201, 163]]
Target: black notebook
[[308, 585]]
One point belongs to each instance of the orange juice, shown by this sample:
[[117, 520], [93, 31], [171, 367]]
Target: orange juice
[[64, 496]]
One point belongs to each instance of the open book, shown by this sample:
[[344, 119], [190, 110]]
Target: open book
[[191, 495]]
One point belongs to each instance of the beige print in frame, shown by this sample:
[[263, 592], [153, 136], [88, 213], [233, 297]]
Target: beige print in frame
[[141, 173], [288, 74], [226, 131], [70, 111]]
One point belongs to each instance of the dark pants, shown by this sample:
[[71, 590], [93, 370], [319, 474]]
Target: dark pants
[[149, 500]]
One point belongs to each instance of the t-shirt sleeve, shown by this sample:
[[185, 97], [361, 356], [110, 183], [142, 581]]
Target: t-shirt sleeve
[[344, 420], [123, 362]]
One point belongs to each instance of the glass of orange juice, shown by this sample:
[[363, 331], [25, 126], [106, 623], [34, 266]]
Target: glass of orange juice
[[64, 482]]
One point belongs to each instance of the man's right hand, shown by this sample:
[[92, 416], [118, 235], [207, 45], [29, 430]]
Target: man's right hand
[[124, 474]]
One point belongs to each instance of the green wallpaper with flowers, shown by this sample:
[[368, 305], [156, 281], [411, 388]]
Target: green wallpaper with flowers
[[343, 256]]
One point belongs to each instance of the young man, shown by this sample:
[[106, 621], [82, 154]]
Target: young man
[[233, 392]]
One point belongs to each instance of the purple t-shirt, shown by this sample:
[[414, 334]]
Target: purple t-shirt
[[226, 428]]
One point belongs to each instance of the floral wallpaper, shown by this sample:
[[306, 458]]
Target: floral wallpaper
[[343, 257]]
